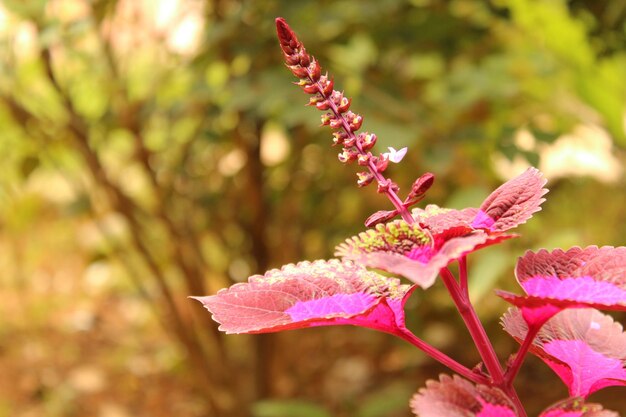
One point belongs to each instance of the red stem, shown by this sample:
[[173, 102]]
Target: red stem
[[463, 281], [475, 327], [477, 331], [433, 352], [514, 368]]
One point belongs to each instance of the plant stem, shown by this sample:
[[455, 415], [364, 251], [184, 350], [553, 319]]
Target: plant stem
[[514, 368], [460, 296], [475, 327], [441, 357], [463, 276]]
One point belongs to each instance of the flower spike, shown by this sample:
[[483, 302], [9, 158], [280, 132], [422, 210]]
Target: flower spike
[[340, 118]]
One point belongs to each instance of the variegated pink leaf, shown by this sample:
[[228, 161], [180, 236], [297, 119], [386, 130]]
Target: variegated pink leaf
[[310, 294], [510, 205], [513, 202], [590, 277], [586, 349], [576, 407], [457, 397]]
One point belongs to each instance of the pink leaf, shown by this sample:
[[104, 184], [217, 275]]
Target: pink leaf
[[457, 397], [585, 348], [603, 264], [513, 202], [590, 277], [310, 294], [576, 407]]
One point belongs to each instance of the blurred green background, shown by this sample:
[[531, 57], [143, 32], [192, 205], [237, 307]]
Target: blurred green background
[[155, 149]]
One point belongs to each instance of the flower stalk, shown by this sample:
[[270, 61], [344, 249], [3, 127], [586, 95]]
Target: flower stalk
[[339, 117]]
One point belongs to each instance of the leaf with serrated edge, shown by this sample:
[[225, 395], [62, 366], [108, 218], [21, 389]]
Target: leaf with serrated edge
[[576, 407], [457, 397], [513, 203], [510, 205], [585, 348], [310, 294], [590, 277]]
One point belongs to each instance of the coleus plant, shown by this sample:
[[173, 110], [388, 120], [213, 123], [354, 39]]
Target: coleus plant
[[557, 319]]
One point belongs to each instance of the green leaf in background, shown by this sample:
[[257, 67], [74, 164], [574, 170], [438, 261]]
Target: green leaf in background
[[288, 408]]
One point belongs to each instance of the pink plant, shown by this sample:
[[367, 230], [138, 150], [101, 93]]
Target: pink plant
[[556, 320]]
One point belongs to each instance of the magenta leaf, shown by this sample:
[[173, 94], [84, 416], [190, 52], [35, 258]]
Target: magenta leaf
[[576, 407], [590, 277], [585, 348], [310, 294], [406, 250], [457, 397]]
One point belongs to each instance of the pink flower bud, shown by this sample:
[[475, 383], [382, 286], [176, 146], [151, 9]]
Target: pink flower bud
[[326, 119], [291, 59], [365, 178], [419, 187], [350, 141], [356, 122], [381, 163], [335, 123], [384, 186], [322, 105], [305, 60], [315, 70], [347, 156], [327, 85], [339, 138], [298, 71], [367, 140], [314, 100], [344, 105], [364, 159], [309, 88]]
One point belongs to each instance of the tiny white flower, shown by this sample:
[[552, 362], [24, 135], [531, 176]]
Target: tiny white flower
[[395, 156]]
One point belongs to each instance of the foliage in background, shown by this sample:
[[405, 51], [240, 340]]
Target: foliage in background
[[152, 149]]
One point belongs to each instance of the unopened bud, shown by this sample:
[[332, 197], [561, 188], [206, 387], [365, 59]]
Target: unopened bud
[[327, 85], [364, 159], [356, 122], [335, 123], [309, 88], [365, 178], [350, 141], [305, 60], [421, 185], [347, 156], [314, 100], [367, 140], [381, 163], [322, 105], [315, 70], [299, 71], [339, 138], [343, 105]]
